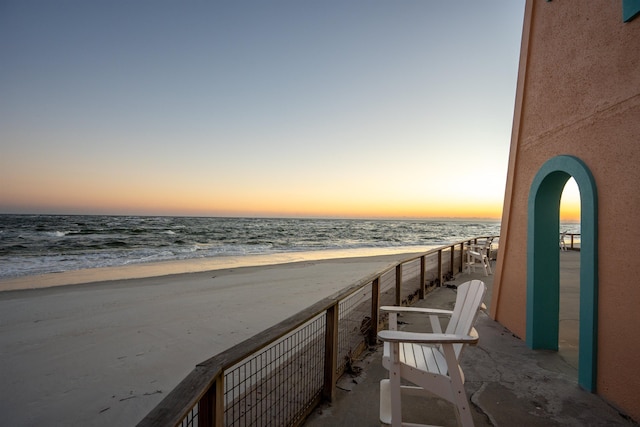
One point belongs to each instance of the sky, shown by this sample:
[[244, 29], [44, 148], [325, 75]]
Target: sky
[[333, 108]]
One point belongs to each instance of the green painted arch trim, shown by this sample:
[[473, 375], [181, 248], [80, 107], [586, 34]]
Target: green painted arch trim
[[543, 262]]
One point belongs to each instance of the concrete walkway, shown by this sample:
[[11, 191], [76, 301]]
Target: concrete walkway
[[507, 383]]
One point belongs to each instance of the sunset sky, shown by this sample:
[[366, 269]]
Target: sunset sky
[[362, 108]]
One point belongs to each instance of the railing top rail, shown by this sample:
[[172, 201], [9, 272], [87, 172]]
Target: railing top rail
[[185, 395], [191, 389]]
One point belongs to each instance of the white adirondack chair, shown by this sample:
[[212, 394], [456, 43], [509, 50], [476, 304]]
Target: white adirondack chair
[[430, 360], [479, 254], [563, 245]]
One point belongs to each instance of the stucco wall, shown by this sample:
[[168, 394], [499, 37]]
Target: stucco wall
[[579, 94]]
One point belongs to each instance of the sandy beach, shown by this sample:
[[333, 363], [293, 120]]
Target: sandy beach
[[105, 348]]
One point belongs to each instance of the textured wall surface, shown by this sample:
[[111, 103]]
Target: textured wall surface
[[579, 94]]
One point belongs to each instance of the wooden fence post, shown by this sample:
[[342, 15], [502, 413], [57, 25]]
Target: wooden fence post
[[206, 408], [440, 267], [423, 267], [211, 405], [218, 412], [399, 284], [453, 253], [375, 310], [330, 353]]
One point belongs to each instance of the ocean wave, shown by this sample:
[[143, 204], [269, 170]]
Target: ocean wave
[[32, 244]]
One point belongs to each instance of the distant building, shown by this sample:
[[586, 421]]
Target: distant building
[[577, 114]]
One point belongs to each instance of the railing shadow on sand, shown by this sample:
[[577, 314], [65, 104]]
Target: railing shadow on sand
[[280, 375]]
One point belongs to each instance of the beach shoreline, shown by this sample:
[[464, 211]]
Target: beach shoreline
[[193, 265], [106, 352]]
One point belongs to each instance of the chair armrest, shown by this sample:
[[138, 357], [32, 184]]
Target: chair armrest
[[398, 309], [422, 338], [474, 333], [433, 313]]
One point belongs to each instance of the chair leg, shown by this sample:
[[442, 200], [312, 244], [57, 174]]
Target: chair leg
[[471, 263], [394, 382], [463, 409], [385, 402], [484, 266], [488, 261]]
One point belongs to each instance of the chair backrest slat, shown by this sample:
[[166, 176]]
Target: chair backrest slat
[[466, 309]]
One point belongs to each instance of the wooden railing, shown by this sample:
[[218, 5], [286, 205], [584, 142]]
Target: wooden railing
[[279, 376], [572, 245]]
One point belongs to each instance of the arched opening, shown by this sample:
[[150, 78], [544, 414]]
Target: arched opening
[[569, 244], [543, 262]]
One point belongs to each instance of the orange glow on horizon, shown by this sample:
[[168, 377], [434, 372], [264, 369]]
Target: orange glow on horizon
[[570, 202], [570, 212], [151, 206], [66, 195]]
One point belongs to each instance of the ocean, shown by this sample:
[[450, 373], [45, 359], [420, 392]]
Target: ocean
[[38, 244]]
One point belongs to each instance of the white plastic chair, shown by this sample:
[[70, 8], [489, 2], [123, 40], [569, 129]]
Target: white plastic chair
[[479, 254], [563, 245], [430, 360]]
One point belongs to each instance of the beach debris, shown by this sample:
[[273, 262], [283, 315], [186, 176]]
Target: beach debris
[[350, 368], [365, 325]]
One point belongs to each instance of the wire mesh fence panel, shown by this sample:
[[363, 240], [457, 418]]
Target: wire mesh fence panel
[[458, 261], [276, 386], [354, 313], [447, 267], [191, 420], [388, 288], [410, 280], [431, 269]]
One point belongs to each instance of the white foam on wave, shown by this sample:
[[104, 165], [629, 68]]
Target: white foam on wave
[[57, 233]]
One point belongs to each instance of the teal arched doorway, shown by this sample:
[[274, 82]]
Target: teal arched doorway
[[543, 262]]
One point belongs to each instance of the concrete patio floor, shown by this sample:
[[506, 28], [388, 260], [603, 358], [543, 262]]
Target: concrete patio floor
[[507, 383]]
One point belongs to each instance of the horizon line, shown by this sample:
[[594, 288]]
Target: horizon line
[[252, 216]]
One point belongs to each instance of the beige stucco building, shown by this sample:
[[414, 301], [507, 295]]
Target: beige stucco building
[[577, 114]]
